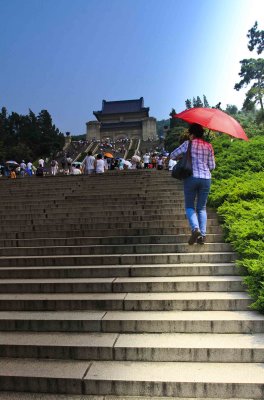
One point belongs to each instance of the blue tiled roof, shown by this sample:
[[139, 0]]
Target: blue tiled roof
[[122, 106]]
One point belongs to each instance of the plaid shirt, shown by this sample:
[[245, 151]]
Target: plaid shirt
[[202, 157]]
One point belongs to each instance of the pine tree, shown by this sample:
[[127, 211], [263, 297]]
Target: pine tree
[[199, 102], [256, 39], [205, 102], [188, 104]]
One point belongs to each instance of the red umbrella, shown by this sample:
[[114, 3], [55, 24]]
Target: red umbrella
[[214, 119]]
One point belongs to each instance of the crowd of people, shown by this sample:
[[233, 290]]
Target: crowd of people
[[12, 169], [91, 164]]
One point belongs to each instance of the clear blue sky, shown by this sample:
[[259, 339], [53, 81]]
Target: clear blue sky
[[67, 55]]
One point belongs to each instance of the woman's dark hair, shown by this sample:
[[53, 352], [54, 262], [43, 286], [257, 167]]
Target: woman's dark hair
[[99, 156], [196, 130]]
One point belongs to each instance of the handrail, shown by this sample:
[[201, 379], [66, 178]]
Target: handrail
[[129, 147], [137, 149]]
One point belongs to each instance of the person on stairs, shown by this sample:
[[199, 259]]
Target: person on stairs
[[197, 186], [99, 164]]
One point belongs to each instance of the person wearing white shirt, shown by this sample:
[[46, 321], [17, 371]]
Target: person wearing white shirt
[[99, 164], [88, 163], [160, 163], [76, 170], [146, 159], [41, 162]]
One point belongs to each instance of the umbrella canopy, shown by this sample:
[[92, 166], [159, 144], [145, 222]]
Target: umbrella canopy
[[214, 119], [136, 158], [126, 162], [108, 155], [11, 162]]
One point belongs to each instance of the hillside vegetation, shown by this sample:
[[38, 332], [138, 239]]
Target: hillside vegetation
[[238, 195]]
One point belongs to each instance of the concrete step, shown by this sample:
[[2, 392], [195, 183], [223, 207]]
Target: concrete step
[[113, 249], [114, 240], [183, 347], [43, 396], [124, 284], [86, 223], [69, 231], [63, 201], [85, 203], [99, 271], [225, 322], [97, 215], [53, 207], [118, 259], [72, 186], [225, 380], [138, 186], [86, 185], [94, 211], [96, 185], [86, 219], [184, 301], [128, 195], [174, 379], [76, 200]]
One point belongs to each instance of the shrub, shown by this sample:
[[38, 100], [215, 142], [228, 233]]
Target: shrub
[[238, 194]]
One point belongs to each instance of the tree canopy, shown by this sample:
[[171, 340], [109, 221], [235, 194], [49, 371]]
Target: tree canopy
[[256, 39], [196, 102], [252, 71], [28, 136]]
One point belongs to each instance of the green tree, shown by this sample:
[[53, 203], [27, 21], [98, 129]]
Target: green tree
[[205, 102], [28, 136], [173, 121], [231, 109], [256, 39], [197, 102], [252, 72], [51, 139], [188, 104], [174, 137]]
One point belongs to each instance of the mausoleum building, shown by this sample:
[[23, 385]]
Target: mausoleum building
[[122, 119]]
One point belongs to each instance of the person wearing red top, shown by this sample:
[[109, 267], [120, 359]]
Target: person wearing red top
[[197, 186]]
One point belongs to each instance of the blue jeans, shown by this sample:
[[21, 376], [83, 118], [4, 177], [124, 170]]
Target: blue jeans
[[196, 188]]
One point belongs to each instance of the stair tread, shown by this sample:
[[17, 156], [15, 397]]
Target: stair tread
[[126, 296], [62, 369], [247, 373], [134, 315], [182, 265], [122, 245], [209, 278], [140, 340], [117, 254], [43, 396], [177, 372]]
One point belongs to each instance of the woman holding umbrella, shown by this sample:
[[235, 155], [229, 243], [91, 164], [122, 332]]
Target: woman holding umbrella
[[197, 186]]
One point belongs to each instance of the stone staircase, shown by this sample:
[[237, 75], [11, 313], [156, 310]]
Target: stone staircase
[[101, 298]]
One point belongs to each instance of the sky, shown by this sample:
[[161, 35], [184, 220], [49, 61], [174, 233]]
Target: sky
[[66, 56]]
